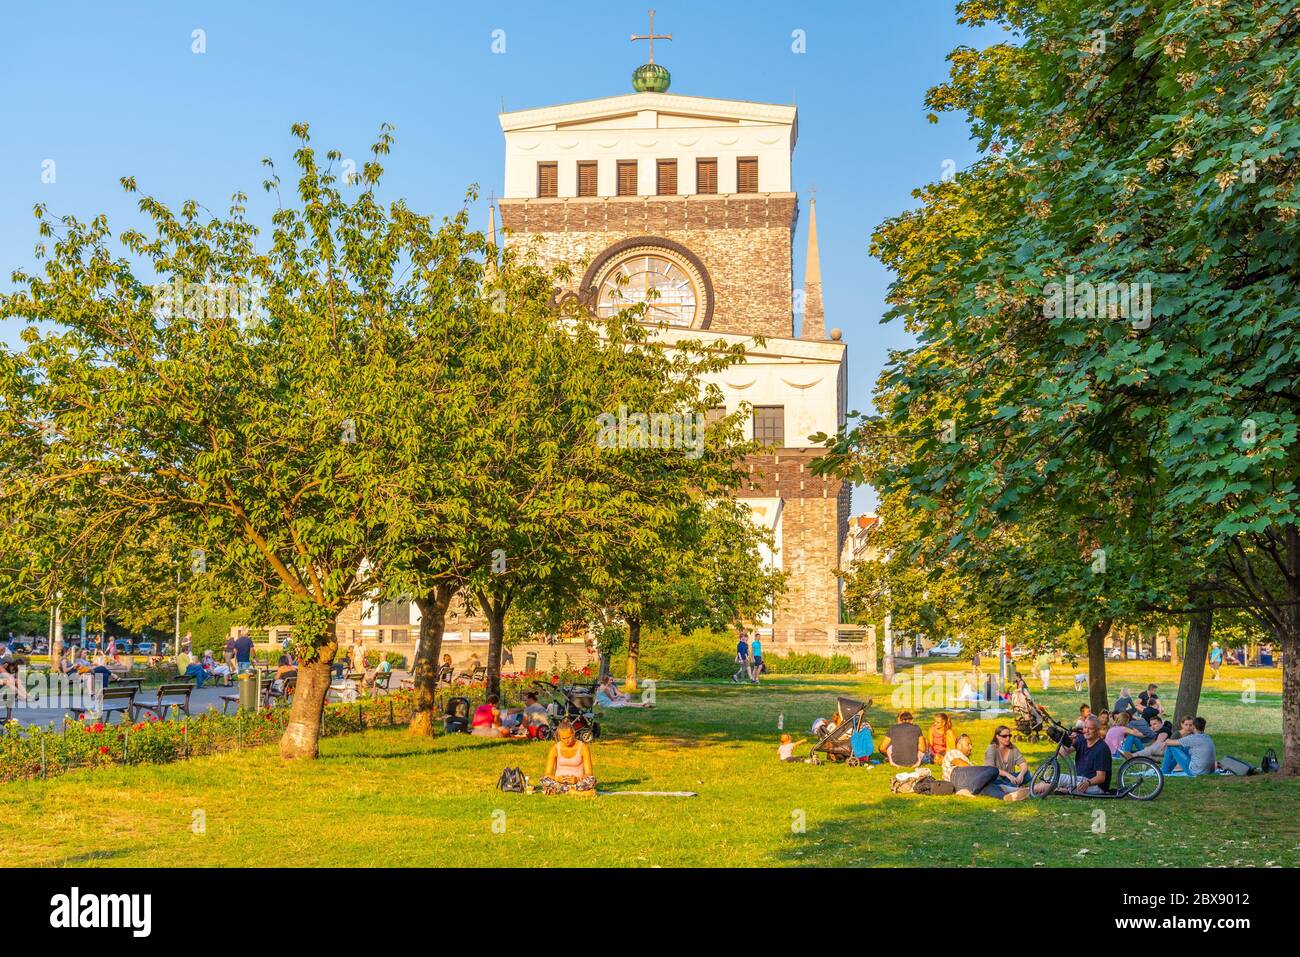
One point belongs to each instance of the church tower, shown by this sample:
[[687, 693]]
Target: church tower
[[685, 203]]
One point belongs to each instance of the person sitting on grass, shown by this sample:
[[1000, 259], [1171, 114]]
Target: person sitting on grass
[[535, 715], [568, 764], [1192, 753], [967, 778], [608, 696], [1160, 733], [1149, 699], [785, 750], [1124, 703], [1013, 769], [487, 720], [942, 737], [1085, 711], [905, 743], [1120, 737], [1092, 763]]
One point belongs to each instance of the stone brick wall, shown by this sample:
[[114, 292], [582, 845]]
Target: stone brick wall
[[814, 522], [743, 240]]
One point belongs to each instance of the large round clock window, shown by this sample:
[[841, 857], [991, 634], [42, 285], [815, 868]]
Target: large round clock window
[[665, 280]]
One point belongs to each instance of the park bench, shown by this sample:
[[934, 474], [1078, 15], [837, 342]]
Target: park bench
[[478, 674], [354, 681], [169, 696], [269, 693], [382, 681], [136, 684], [108, 702]]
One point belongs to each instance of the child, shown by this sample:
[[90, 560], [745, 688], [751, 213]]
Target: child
[[786, 750]]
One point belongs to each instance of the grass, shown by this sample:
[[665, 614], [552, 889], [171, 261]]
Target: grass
[[385, 799]]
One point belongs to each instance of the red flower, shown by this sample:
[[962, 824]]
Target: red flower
[[97, 727], [103, 750]]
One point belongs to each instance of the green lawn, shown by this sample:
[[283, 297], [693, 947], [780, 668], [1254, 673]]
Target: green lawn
[[383, 798]]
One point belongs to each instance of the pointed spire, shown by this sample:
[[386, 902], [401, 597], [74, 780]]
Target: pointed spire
[[814, 314]]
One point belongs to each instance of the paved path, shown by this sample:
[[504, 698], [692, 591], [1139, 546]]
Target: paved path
[[207, 698]]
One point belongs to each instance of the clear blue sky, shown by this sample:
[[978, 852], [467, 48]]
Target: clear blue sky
[[106, 89]]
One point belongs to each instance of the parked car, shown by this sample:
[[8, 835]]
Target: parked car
[[123, 645], [946, 649], [145, 648]]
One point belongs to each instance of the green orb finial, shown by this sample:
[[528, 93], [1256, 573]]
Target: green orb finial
[[651, 78]]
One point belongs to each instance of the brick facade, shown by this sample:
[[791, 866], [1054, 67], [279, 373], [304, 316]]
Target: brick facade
[[815, 513], [744, 241]]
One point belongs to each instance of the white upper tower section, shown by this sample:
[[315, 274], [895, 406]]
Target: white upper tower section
[[646, 128]]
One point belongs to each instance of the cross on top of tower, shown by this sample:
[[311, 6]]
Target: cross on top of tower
[[652, 36], [650, 77]]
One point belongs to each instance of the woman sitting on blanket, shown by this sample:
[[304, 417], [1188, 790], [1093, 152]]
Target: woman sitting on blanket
[[487, 720], [608, 696], [568, 765]]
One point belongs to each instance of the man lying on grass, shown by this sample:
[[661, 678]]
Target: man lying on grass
[[1091, 766]]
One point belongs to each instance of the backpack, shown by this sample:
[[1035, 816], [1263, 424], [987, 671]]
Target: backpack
[[1269, 764], [1237, 766], [513, 780]]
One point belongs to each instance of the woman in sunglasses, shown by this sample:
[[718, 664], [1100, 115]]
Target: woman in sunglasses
[[1013, 769]]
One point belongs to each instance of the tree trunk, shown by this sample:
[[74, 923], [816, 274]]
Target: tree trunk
[[1172, 638], [633, 652], [494, 608], [433, 617], [1097, 665], [1290, 641], [1192, 676], [301, 737]]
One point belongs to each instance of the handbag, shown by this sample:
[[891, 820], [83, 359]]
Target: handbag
[[513, 780]]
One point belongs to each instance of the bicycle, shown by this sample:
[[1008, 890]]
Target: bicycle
[[1139, 778]]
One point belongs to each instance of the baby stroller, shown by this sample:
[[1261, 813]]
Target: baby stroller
[[456, 718], [1030, 722], [850, 716], [572, 703]]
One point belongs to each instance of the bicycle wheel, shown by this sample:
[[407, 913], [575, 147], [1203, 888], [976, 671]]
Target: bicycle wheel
[[1047, 773], [1141, 779]]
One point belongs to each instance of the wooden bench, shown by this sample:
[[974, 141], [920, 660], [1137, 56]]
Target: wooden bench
[[382, 681], [108, 702], [285, 693], [169, 696], [356, 678], [136, 684], [478, 674]]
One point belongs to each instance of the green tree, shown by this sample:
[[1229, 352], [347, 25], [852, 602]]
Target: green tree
[[1108, 313], [236, 402]]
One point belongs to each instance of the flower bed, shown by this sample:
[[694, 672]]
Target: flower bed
[[34, 751]]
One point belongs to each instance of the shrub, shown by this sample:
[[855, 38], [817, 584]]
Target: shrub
[[36, 751], [808, 664], [393, 658]]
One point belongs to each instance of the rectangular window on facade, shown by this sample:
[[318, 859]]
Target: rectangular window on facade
[[395, 613], [667, 170], [714, 414], [747, 174], [769, 424], [627, 177], [548, 180], [706, 176], [587, 178]]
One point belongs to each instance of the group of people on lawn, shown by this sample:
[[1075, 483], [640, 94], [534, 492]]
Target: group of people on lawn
[[1134, 728]]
